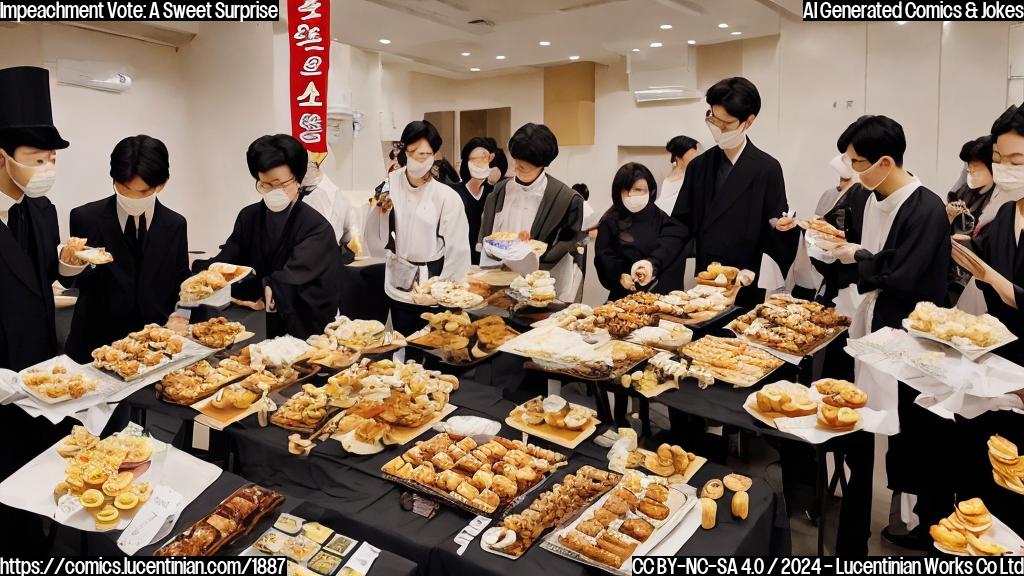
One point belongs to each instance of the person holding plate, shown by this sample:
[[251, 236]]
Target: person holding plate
[[149, 244]]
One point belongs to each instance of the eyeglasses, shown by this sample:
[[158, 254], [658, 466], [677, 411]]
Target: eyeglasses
[[710, 118], [1015, 159], [266, 187]]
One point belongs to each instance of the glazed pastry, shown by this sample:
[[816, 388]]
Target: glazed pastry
[[653, 509], [740, 505], [657, 493], [708, 513], [637, 528], [737, 482], [948, 539], [576, 542], [713, 489], [590, 527]]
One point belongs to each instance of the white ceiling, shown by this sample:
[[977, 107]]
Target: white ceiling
[[434, 33]]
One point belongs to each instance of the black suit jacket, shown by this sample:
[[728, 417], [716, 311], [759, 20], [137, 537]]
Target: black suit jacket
[[731, 225], [27, 333], [118, 298]]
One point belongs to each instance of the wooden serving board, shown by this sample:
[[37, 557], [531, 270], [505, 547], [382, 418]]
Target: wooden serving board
[[683, 478], [560, 436], [220, 418], [401, 435]]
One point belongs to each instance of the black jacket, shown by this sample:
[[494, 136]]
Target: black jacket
[[27, 333], [301, 269], [731, 224], [650, 234], [121, 297], [474, 210], [997, 245]]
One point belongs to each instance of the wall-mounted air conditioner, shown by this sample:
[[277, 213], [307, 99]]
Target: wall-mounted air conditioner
[[105, 76], [668, 74]]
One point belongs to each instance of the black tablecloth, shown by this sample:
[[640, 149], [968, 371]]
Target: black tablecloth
[[367, 507], [97, 544]]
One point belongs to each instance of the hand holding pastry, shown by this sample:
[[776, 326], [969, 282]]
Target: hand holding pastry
[[627, 282], [67, 254], [785, 224], [845, 252]]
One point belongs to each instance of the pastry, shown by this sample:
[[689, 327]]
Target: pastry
[[126, 501], [576, 542], [117, 484], [708, 513], [653, 509], [978, 547], [737, 482], [948, 539], [712, 489], [740, 505], [91, 498], [637, 528], [657, 493], [837, 419], [957, 327]]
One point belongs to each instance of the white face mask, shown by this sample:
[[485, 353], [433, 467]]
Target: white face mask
[[41, 181], [135, 206], [276, 200], [635, 203], [727, 140], [974, 181], [418, 169], [479, 172], [1008, 176]]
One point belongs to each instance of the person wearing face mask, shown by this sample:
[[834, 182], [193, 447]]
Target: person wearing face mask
[[536, 204], [285, 241], [995, 258], [733, 200], [427, 234], [149, 244], [31, 259], [635, 230], [975, 189], [898, 246], [681, 150], [480, 171]]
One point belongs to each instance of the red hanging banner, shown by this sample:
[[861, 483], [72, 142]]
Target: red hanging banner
[[309, 50]]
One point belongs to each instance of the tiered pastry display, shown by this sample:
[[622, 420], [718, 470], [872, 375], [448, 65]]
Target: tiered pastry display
[[344, 340], [554, 419], [216, 332], [139, 352], [460, 340], [445, 293], [57, 382], [193, 383], [486, 478], [664, 368], [204, 284], [536, 289], [1007, 464], [385, 403], [963, 532], [519, 531], [790, 325], [102, 473], [957, 328], [233, 517], [630, 519], [731, 360]]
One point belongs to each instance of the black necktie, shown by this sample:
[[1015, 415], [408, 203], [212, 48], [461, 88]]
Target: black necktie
[[19, 228], [134, 237]]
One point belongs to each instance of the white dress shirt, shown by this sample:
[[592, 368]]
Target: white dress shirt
[[6, 203], [327, 199], [521, 205], [667, 195], [122, 217]]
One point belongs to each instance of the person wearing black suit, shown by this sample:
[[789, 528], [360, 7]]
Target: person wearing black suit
[[480, 170], [31, 258], [149, 244], [733, 197], [286, 241]]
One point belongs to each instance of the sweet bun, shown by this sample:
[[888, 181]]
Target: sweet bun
[[708, 513], [713, 489], [737, 482], [740, 505]]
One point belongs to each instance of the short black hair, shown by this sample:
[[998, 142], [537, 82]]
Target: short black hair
[[475, 142], [737, 95], [624, 179], [874, 137], [582, 189], [444, 172], [268, 152], [680, 145], [978, 150], [142, 156], [415, 131], [1012, 120], [534, 143]]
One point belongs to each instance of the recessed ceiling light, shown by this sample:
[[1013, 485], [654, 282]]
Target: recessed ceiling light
[[691, 42], [723, 25], [666, 26], [499, 57], [901, 22], [384, 41], [636, 49], [655, 44], [474, 69], [544, 43], [574, 57], [465, 53], [735, 33]]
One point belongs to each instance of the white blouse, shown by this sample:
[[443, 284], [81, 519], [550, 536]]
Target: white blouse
[[667, 195], [521, 205]]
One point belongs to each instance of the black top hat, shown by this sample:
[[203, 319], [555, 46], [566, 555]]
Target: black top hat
[[25, 115]]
